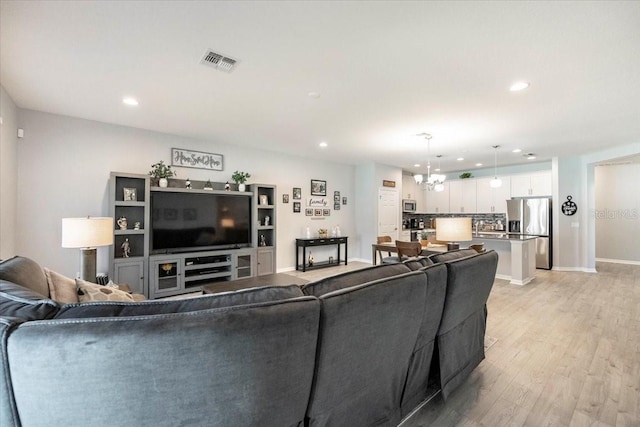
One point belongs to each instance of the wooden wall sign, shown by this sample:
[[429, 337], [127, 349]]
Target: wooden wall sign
[[386, 183]]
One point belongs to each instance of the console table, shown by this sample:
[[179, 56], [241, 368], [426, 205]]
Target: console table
[[309, 243]]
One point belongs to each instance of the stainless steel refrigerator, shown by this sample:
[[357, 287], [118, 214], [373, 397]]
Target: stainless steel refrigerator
[[532, 216]]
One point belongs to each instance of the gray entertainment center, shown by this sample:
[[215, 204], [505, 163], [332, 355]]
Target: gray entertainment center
[[165, 272]]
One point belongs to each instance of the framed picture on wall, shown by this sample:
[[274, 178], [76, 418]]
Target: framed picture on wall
[[318, 187], [285, 198], [296, 207], [308, 211], [326, 212], [297, 193]]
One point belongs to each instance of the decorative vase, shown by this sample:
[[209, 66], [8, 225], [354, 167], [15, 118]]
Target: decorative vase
[[242, 187], [163, 182]]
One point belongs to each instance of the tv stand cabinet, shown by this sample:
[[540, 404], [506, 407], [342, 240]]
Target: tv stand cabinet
[[189, 272], [163, 275]]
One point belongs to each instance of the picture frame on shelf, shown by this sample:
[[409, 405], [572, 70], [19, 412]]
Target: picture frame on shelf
[[318, 187], [130, 194], [285, 198], [264, 199], [296, 207]]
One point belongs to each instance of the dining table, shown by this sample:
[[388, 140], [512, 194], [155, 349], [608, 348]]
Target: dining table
[[390, 247]]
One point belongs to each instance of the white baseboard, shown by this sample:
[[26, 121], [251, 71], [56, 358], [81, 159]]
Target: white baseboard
[[618, 261], [503, 277], [366, 261], [578, 269]]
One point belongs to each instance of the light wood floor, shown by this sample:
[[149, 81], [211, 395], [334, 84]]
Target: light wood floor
[[568, 354]]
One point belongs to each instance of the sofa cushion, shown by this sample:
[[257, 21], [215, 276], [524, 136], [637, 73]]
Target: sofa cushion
[[18, 301], [143, 308], [25, 272], [418, 263], [353, 278], [451, 255], [61, 288], [89, 292]]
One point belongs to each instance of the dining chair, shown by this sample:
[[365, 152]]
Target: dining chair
[[389, 259], [408, 249]]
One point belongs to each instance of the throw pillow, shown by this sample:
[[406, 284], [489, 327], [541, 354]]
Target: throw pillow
[[88, 292], [25, 272], [21, 302], [61, 288]]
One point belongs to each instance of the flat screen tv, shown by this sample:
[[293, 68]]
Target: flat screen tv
[[184, 222]]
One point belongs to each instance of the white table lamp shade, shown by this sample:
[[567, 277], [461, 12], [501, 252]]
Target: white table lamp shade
[[87, 232], [453, 229]]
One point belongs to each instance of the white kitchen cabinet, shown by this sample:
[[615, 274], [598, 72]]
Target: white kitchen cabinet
[[462, 196], [492, 200], [437, 201], [531, 185], [413, 191]]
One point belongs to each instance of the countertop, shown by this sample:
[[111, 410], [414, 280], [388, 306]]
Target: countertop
[[501, 235]]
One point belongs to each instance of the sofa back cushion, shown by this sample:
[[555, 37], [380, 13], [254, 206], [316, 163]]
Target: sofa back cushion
[[461, 333], [451, 255], [416, 387], [353, 278], [367, 335], [249, 365], [418, 263], [145, 308], [18, 301], [25, 272]]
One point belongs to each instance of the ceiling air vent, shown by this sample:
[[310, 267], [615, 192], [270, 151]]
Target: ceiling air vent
[[218, 61]]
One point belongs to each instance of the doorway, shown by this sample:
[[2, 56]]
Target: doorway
[[388, 212]]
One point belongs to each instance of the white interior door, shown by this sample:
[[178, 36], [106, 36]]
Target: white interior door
[[388, 212]]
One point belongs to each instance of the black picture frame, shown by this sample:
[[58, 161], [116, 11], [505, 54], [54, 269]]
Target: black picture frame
[[297, 193], [285, 198], [326, 212], [318, 187], [308, 211], [296, 207], [336, 196], [336, 206], [344, 200]]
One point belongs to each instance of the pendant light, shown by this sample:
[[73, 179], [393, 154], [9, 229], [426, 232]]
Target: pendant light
[[495, 182], [439, 179], [435, 181]]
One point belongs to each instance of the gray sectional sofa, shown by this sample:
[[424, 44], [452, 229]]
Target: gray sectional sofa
[[362, 348]]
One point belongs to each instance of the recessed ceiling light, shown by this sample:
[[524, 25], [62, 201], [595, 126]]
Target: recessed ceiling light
[[417, 165], [437, 170], [323, 145], [460, 159], [532, 157], [519, 86], [478, 164], [517, 150], [130, 101], [314, 94]]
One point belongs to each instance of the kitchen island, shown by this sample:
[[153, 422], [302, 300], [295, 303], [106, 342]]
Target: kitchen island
[[516, 255]]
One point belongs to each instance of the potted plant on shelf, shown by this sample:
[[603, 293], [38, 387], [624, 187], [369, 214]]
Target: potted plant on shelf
[[424, 238], [162, 173], [240, 178]]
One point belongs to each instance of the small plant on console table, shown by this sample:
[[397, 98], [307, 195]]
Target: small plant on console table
[[424, 238], [240, 178], [162, 173]]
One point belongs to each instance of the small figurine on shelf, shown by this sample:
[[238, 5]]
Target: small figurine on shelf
[[227, 186], [136, 226], [126, 248], [122, 223], [266, 220], [187, 184], [208, 185], [310, 262], [263, 242]]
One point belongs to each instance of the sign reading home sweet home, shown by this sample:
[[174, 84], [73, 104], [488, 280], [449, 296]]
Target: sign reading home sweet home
[[196, 159]]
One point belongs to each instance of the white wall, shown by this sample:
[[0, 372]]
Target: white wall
[[64, 171], [617, 213], [8, 174], [567, 248]]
